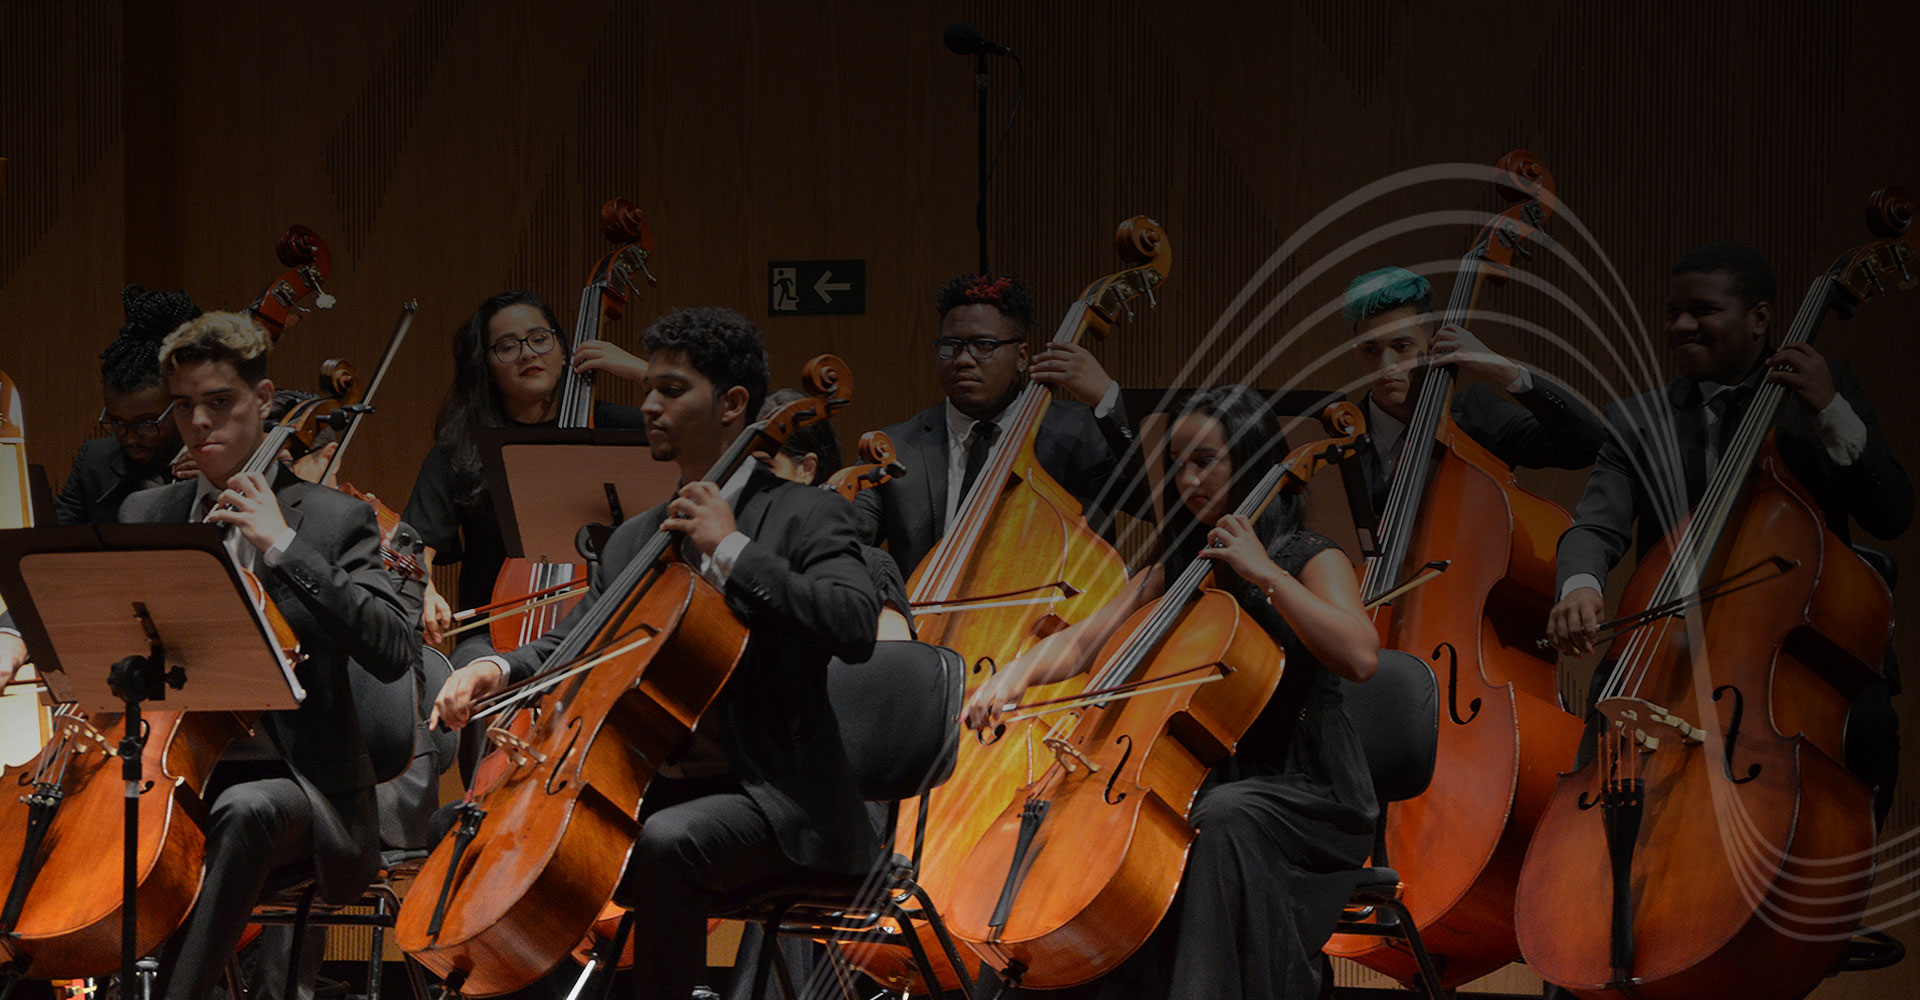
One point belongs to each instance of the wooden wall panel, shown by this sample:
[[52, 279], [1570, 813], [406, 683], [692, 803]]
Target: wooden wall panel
[[450, 148]]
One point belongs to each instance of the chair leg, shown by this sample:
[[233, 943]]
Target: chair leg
[[1429, 973], [931, 914], [299, 937], [770, 958], [376, 955]]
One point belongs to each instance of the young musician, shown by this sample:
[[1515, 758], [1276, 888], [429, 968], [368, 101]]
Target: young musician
[[509, 360], [765, 786], [1284, 822], [1719, 316], [298, 799], [981, 353], [1536, 424], [142, 440]]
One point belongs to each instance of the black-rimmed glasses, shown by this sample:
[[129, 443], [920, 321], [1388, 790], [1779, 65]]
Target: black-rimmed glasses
[[138, 429], [538, 341], [982, 348]]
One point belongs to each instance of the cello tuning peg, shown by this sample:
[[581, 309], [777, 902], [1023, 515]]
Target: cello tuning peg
[[322, 297], [1151, 301], [651, 280]]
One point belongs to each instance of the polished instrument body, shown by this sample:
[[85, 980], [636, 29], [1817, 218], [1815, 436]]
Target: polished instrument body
[[1715, 843], [1018, 562], [1458, 520]]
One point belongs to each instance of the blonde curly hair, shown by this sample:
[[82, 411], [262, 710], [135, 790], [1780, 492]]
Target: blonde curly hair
[[219, 336]]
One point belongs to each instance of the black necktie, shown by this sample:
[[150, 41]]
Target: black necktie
[[984, 431], [204, 506]]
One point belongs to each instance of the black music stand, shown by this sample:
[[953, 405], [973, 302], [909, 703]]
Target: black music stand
[[548, 482], [119, 615]]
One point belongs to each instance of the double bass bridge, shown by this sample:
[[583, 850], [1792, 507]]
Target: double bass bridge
[[1647, 726]]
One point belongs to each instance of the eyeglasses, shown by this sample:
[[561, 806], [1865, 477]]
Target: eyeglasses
[[982, 348], [139, 429], [538, 341]]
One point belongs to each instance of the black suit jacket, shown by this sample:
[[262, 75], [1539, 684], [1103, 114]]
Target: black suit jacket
[[1635, 494], [333, 590], [100, 482], [1542, 428], [803, 588], [1077, 450]]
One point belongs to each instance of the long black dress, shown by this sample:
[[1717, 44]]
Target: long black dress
[[1284, 824]]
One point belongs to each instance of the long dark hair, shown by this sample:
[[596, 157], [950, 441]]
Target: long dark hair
[[475, 399], [1254, 445]]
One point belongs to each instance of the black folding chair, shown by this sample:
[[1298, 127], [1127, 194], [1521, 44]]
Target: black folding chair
[[1397, 714]]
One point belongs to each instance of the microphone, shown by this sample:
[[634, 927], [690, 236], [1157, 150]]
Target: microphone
[[964, 39]]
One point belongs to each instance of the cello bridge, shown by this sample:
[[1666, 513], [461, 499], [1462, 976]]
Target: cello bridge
[[74, 727], [1648, 725], [1066, 753], [517, 750]]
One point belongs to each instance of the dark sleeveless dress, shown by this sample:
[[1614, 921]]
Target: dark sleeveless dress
[[1284, 824]]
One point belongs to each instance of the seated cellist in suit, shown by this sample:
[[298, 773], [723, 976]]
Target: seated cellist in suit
[[765, 787], [297, 799]]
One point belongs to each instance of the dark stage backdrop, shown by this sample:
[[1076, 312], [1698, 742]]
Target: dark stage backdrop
[[448, 149]]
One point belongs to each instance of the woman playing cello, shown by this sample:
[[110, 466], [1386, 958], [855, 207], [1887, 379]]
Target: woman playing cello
[[1285, 820]]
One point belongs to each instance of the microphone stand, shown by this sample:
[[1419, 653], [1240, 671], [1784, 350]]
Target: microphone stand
[[980, 203]]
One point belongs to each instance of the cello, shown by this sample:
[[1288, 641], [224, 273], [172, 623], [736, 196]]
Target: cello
[[62, 916], [544, 833], [529, 598], [1018, 562], [1716, 844], [1464, 572], [1081, 867]]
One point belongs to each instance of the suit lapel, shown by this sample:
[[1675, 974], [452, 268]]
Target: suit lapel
[[931, 456], [177, 506]]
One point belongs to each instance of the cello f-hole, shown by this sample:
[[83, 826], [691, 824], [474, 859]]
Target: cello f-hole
[[1106, 794], [1453, 685], [555, 783], [1733, 734]]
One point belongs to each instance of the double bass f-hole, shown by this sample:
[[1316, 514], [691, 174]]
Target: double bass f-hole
[[992, 734], [1733, 734], [1453, 685]]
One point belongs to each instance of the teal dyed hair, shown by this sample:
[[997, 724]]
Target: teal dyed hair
[[1385, 290]]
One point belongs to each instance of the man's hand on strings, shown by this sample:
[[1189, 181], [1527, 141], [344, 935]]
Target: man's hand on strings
[[702, 514], [1574, 624], [1810, 379], [248, 504]]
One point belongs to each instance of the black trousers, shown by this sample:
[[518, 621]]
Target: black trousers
[[253, 829], [702, 843]]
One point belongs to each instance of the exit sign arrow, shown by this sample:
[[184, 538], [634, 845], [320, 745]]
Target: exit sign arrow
[[823, 288]]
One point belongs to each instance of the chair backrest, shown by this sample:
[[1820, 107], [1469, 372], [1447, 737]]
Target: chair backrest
[[899, 716], [1397, 714]]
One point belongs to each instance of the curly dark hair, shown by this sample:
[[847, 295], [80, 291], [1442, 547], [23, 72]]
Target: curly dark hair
[[1004, 292], [1752, 275], [132, 361], [474, 400], [817, 439], [721, 344]]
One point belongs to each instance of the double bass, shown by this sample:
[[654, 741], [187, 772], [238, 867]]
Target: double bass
[[62, 916], [1715, 844], [544, 833], [1077, 872], [530, 598], [1018, 562], [1464, 573]]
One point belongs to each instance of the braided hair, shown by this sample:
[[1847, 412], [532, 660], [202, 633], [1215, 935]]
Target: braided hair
[[132, 361]]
